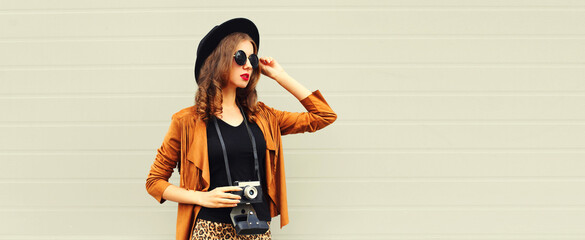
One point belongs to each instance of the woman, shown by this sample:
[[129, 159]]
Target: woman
[[228, 124]]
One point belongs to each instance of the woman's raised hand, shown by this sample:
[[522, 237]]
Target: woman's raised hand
[[270, 67], [219, 197]]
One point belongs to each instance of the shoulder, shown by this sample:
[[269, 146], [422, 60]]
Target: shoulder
[[264, 110], [187, 113], [261, 106]]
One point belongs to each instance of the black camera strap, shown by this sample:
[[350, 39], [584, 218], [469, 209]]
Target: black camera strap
[[225, 157]]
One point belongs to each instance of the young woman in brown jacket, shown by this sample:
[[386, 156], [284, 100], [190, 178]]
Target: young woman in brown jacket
[[227, 71]]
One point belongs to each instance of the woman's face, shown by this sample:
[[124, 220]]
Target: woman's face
[[236, 71]]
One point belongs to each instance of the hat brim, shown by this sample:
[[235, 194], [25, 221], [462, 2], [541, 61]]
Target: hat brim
[[217, 33]]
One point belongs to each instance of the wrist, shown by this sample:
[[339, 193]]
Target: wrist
[[195, 196], [281, 76]]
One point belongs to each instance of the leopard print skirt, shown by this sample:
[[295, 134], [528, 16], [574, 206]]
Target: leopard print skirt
[[208, 230]]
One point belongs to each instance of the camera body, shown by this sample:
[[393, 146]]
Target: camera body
[[251, 192], [244, 216]]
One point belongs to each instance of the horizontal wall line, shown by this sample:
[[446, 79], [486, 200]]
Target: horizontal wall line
[[72, 208], [434, 236], [152, 152], [401, 122], [332, 180], [390, 179], [33, 152], [466, 122], [97, 237], [282, 93], [444, 208], [360, 65], [293, 236], [324, 150], [102, 237], [372, 208], [300, 36], [291, 8]]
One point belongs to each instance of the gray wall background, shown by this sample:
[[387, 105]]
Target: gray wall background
[[457, 119]]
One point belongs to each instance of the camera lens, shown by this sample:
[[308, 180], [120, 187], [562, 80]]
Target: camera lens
[[250, 192]]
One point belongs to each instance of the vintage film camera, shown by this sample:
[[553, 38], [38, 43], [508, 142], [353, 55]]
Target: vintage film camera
[[244, 216]]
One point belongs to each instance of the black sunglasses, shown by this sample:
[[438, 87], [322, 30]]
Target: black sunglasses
[[240, 57]]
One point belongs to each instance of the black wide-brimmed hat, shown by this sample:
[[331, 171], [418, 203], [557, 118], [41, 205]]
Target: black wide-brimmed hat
[[217, 33]]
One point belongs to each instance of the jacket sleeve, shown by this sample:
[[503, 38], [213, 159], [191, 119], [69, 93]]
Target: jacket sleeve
[[166, 159], [318, 116]]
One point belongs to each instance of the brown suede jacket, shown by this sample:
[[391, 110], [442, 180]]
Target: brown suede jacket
[[186, 141]]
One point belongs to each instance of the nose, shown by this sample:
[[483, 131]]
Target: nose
[[248, 65]]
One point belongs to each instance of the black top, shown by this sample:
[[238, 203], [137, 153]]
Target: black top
[[241, 160]]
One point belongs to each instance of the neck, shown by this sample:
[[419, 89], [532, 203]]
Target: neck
[[229, 97]]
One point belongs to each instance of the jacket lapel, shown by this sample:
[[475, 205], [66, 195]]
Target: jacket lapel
[[197, 152], [266, 130]]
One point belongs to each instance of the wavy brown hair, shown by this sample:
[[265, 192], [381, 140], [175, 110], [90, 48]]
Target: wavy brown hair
[[214, 76]]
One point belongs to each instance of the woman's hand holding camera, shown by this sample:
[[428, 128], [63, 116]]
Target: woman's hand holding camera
[[219, 197]]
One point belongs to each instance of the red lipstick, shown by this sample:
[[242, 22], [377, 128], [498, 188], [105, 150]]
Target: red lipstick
[[245, 76]]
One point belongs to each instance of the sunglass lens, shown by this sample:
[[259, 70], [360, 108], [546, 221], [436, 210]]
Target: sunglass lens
[[240, 57], [254, 60]]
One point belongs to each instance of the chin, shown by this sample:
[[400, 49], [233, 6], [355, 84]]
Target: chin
[[242, 84]]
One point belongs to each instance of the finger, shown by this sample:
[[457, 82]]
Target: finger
[[228, 201], [229, 189], [224, 205], [225, 202], [266, 60], [230, 196]]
